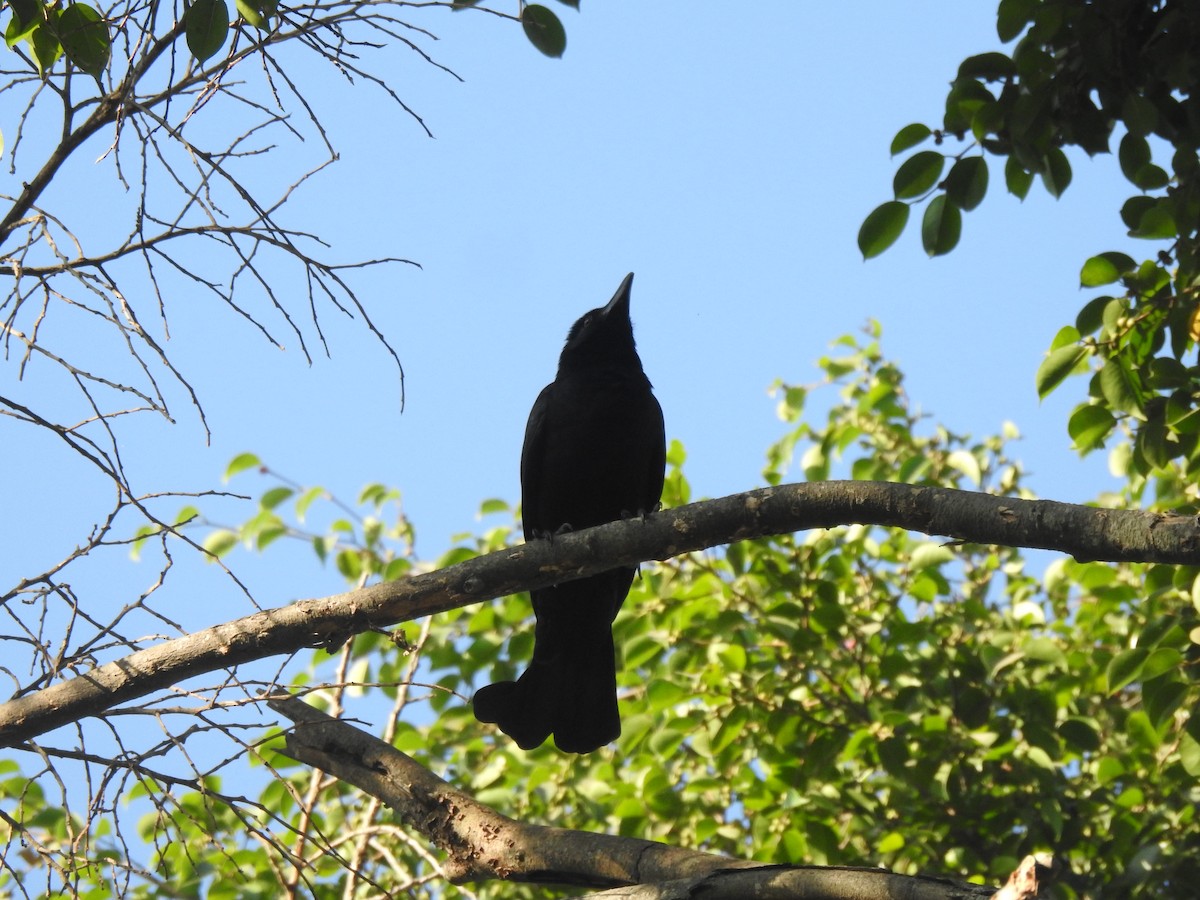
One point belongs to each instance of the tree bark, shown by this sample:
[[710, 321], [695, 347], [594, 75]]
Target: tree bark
[[482, 844], [1087, 533]]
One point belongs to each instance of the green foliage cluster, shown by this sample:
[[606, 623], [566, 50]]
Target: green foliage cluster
[[1083, 74], [82, 34], [540, 24], [51, 31], [856, 695]]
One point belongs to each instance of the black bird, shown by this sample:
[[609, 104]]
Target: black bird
[[594, 453]]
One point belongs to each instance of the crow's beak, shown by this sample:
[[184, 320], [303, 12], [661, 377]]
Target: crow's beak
[[619, 304]]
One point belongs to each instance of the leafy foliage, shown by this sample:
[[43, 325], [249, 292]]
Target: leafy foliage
[[81, 33], [1078, 75], [849, 696]]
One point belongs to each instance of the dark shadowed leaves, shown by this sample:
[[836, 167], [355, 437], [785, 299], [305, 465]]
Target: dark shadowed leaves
[[918, 174], [84, 37], [882, 227], [909, 136], [1057, 172], [1089, 426], [1017, 178], [206, 25], [941, 226], [967, 182], [544, 30]]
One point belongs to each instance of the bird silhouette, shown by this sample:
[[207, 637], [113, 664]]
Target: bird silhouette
[[594, 452]]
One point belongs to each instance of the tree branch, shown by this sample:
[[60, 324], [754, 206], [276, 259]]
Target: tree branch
[[1084, 532], [483, 844]]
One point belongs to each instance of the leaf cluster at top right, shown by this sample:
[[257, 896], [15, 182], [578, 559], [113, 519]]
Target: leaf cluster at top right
[[1080, 74]]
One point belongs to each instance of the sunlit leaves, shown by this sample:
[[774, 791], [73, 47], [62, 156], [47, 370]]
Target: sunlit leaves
[[220, 542], [787, 695], [1119, 387], [206, 25], [44, 42], [1105, 269], [241, 463], [256, 12], [1064, 357]]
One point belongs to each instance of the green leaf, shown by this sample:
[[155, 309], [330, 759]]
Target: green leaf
[[918, 174], [1161, 661], [966, 98], [1091, 317], [1089, 426], [1081, 735], [25, 12], [1105, 269], [987, 66], [206, 24], [881, 228], [274, 497], [1056, 367], [1056, 175], [84, 37], [494, 505], [941, 226], [574, 4], [1157, 222], [44, 43], [242, 461], [544, 30], [1139, 727], [1125, 668], [1133, 154], [349, 564], [1012, 16], [967, 463], [253, 15], [967, 182], [220, 542], [1152, 445], [1135, 208], [1117, 386], [909, 136], [1139, 114], [1016, 178], [1151, 177], [16, 31], [305, 500], [1189, 754], [1064, 336], [928, 554]]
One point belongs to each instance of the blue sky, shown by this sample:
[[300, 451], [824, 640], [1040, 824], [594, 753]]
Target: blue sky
[[726, 155]]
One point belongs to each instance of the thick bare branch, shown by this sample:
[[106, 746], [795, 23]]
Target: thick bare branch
[[483, 844], [1085, 532]]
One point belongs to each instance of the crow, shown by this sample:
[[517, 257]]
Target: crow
[[594, 452]]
